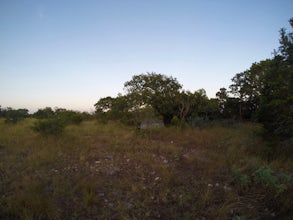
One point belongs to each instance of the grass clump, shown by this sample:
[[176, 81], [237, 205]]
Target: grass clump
[[31, 202]]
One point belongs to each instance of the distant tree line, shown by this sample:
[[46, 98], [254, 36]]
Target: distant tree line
[[50, 122], [263, 93], [13, 115]]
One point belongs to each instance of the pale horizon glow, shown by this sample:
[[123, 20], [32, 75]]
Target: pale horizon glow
[[69, 54]]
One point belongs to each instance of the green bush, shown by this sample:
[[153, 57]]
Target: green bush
[[76, 119], [68, 117], [15, 115], [263, 177], [49, 127], [278, 182]]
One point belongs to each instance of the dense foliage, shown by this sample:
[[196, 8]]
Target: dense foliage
[[155, 90], [265, 91], [13, 115], [155, 95], [54, 122], [49, 127]]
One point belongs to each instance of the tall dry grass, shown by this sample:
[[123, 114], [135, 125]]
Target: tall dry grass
[[111, 171]]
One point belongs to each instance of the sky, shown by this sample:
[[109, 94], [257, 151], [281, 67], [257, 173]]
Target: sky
[[69, 53]]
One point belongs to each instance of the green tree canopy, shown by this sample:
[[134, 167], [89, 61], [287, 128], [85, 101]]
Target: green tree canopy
[[104, 104], [265, 91], [246, 88], [44, 113], [276, 105], [156, 90], [14, 115]]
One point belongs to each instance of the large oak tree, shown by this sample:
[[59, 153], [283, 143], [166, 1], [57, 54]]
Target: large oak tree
[[156, 90]]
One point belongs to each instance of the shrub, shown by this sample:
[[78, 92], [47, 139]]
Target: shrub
[[68, 117], [49, 127], [278, 183], [76, 119], [44, 113], [265, 178], [14, 116]]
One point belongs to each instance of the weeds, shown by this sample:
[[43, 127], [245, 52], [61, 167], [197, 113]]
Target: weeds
[[112, 171], [279, 183], [263, 176]]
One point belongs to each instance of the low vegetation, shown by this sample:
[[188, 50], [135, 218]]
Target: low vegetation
[[113, 171], [54, 123]]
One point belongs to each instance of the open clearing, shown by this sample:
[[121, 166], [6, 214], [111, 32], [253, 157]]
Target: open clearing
[[111, 171]]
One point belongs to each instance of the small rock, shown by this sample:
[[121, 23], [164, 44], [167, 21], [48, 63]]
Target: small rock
[[273, 214], [165, 161], [97, 161], [157, 178], [210, 185], [217, 184]]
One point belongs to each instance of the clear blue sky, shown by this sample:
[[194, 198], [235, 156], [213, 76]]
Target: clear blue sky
[[68, 53]]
